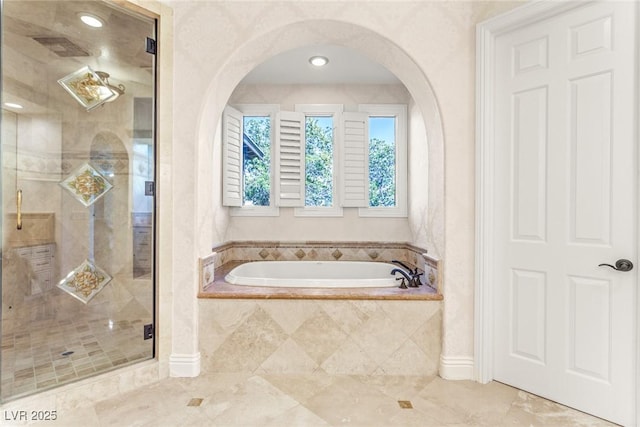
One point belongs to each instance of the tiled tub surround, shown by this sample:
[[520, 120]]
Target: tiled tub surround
[[375, 332], [304, 336], [225, 257]]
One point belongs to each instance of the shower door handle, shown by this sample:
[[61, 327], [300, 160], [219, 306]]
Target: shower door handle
[[19, 209], [621, 265]]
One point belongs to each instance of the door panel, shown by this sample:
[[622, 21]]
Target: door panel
[[589, 327], [566, 174], [529, 192], [529, 289], [590, 156], [77, 276]]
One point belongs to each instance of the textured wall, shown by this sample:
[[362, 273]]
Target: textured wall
[[430, 46], [287, 226]]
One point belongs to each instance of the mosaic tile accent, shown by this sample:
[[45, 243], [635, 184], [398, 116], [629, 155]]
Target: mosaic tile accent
[[207, 270], [109, 162], [86, 185], [38, 165], [431, 268], [86, 87], [431, 277], [85, 281]]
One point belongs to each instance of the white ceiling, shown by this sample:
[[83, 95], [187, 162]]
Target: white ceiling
[[346, 66]]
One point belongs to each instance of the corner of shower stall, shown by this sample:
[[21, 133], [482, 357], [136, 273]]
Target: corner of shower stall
[[78, 167]]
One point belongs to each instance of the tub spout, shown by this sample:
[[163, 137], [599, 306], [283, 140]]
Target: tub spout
[[414, 280], [405, 266]]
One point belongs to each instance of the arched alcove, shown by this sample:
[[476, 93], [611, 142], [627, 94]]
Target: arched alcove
[[426, 222]]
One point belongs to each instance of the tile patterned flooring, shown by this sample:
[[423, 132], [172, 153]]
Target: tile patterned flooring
[[309, 400], [50, 338], [38, 359]]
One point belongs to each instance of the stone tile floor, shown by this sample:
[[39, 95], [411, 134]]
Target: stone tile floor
[[52, 353], [250, 400]]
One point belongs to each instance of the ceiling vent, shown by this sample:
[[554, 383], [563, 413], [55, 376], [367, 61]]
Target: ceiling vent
[[61, 46]]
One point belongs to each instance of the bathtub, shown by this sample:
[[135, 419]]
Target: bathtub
[[314, 274]]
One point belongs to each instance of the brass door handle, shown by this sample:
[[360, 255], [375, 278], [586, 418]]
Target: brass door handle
[[19, 209]]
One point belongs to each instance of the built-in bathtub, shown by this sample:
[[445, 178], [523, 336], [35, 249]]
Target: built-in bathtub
[[314, 274], [305, 262], [300, 329]]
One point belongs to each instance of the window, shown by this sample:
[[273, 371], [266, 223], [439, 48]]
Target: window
[[249, 164], [317, 160], [387, 160], [320, 187]]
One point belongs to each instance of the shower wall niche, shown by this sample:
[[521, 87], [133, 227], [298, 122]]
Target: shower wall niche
[[75, 165]]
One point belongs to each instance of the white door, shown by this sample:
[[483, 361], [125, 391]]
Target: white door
[[565, 202]]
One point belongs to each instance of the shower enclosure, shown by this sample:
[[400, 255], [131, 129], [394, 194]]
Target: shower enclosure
[[77, 223]]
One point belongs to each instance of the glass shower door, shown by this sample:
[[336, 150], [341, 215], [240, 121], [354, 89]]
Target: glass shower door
[[78, 156]]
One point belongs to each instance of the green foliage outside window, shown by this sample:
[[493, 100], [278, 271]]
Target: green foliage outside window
[[382, 177], [319, 161], [319, 165], [257, 170]]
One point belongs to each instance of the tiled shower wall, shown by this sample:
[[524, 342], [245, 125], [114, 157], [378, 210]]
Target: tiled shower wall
[[354, 337]]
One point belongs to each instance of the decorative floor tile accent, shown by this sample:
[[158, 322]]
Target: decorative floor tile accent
[[86, 184], [196, 401], [85, 281], [405, 404]]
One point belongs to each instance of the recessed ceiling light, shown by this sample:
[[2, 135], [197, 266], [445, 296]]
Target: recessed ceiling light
[[91, 20], [318, 61], [13, 105]]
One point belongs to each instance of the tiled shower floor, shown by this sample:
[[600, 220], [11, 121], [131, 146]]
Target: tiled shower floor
[[53, 353]]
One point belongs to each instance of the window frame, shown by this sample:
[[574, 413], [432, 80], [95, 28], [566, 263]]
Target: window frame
[[399, 111], [260, 110], [334, 111]]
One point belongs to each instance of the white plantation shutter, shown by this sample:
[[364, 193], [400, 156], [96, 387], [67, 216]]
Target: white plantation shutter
[[290, 159], [232, 137], [355, 160]]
